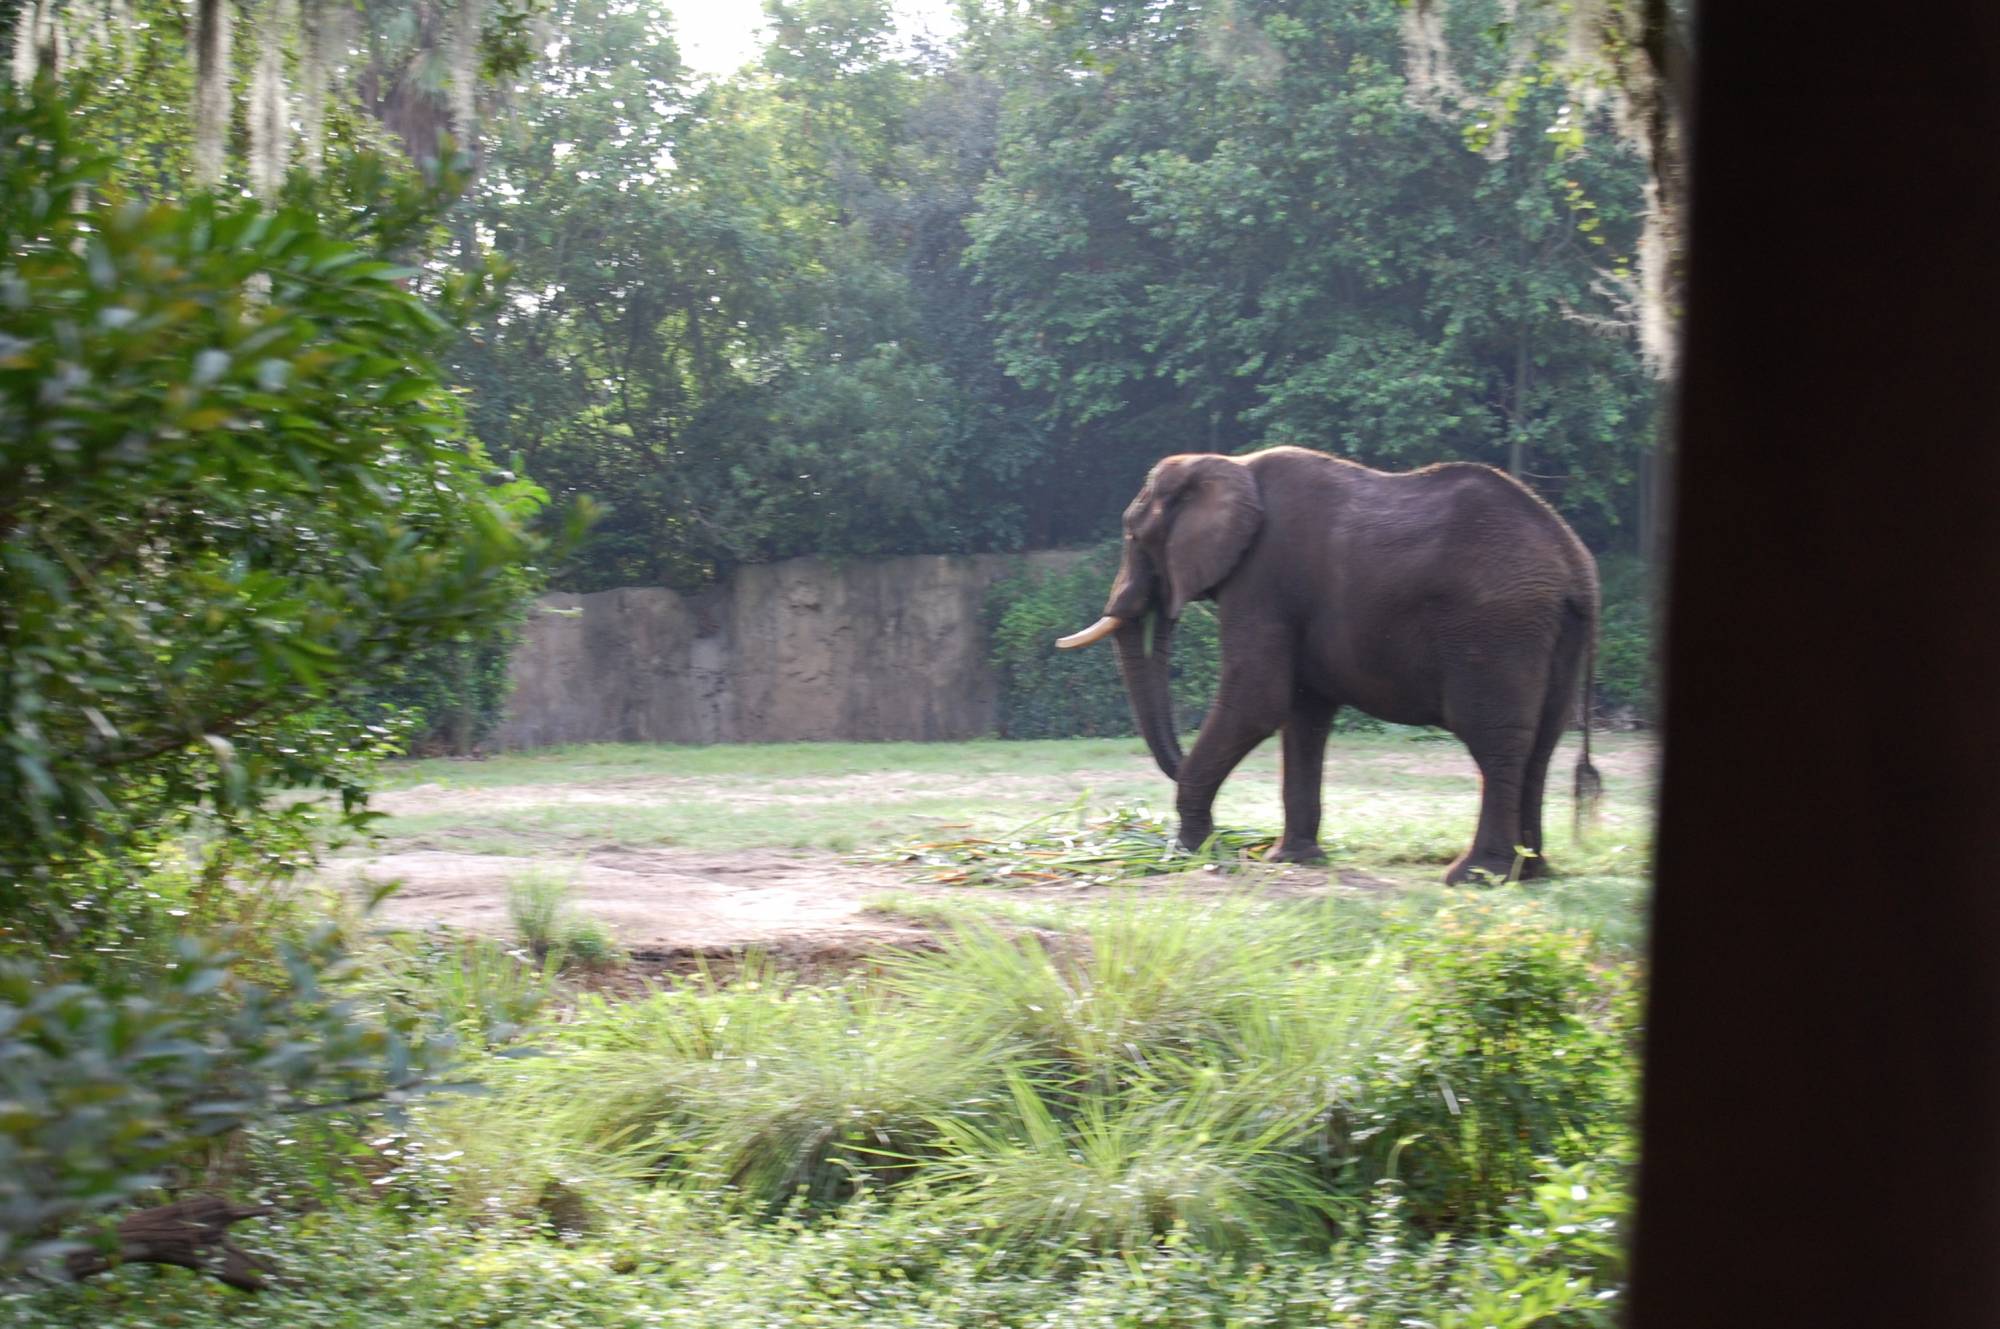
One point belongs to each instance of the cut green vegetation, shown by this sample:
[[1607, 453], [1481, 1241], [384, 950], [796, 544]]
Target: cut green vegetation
[[1074, 846]]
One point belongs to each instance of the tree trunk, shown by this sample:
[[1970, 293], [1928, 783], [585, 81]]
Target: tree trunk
[[1517, 448], [38, 41], [465, 75], [211, 90], [316, 27], [269, 122]]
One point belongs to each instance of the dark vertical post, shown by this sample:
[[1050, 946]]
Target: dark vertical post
[[1822, 1113]]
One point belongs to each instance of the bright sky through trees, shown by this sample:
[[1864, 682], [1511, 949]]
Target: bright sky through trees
[[718, 37]]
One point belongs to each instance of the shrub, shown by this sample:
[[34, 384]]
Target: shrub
[[450, 696], [267, 403], [670, 1259], [1627, 666], [110, 1091], [1521, 1058], [1047, 693], [234, 485]]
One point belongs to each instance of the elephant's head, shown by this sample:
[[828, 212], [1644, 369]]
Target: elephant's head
[[1193, 520]]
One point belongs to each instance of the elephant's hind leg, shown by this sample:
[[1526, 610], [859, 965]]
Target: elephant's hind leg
[[1305, 763], [1502, 754], [1557, 710], [1496, 712]]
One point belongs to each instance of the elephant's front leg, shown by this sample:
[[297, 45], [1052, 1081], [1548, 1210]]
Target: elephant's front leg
[[1305, 763], [1250, 704]]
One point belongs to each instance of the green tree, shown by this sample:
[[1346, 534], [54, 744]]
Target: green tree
[[742, 317], [1218, 225], [234, 489]]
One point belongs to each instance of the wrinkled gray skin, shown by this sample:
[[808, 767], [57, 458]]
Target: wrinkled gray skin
[[1448, 596]]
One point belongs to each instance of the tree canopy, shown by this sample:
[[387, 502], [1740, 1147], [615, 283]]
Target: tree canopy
[[861, 299], [866, 297]]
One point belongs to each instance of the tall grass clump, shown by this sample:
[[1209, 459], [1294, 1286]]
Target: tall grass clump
[[1141, 980], [485, 994], [547, 922], [1119, 1169], [763, 1088], [1223, 1072]]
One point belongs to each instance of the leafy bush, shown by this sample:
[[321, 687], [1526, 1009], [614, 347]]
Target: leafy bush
[[110, 1090], [1627, 666], [1047, 693], [1521, 1060], [451, 696], [234, 486], [1554, 1262]]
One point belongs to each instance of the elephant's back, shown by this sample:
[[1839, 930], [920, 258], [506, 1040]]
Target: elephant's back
[[1486, 516]]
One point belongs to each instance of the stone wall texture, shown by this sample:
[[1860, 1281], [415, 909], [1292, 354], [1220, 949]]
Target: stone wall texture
[[807, 649]]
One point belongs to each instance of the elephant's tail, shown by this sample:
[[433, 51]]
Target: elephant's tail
[[1589, 787]]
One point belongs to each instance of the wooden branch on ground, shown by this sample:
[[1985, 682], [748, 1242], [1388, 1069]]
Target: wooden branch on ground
[[191, 1233]]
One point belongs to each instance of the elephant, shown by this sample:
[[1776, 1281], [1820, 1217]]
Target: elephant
[[1450, 596]]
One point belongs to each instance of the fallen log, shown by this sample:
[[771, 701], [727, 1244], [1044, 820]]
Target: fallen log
[[191, 1234]]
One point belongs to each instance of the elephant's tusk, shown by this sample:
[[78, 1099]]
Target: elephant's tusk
[[1097, 631]]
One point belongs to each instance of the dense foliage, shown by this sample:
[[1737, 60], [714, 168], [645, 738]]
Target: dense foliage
[[858, 301], [233, 490], [1046, 693], [233, 484], [1184, 1112]]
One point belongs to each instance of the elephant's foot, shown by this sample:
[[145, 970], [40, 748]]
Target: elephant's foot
[[1195, 832], [1289, 850], [1482, 869]]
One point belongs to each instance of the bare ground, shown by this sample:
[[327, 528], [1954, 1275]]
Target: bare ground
[[661, 905], [666, 907]]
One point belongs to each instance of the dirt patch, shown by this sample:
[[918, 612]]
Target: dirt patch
[[658, 905], [669, 908]]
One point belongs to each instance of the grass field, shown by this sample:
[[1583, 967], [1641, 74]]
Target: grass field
[[1383, 793], [629, 822]]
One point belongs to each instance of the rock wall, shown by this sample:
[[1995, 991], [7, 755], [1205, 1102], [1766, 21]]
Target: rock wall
[[807, 649]]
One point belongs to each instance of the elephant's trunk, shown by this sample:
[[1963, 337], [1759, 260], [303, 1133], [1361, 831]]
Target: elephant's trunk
[[1146, 685]]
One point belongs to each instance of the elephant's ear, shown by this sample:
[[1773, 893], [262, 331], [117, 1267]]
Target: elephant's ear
[[1216, 515]]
